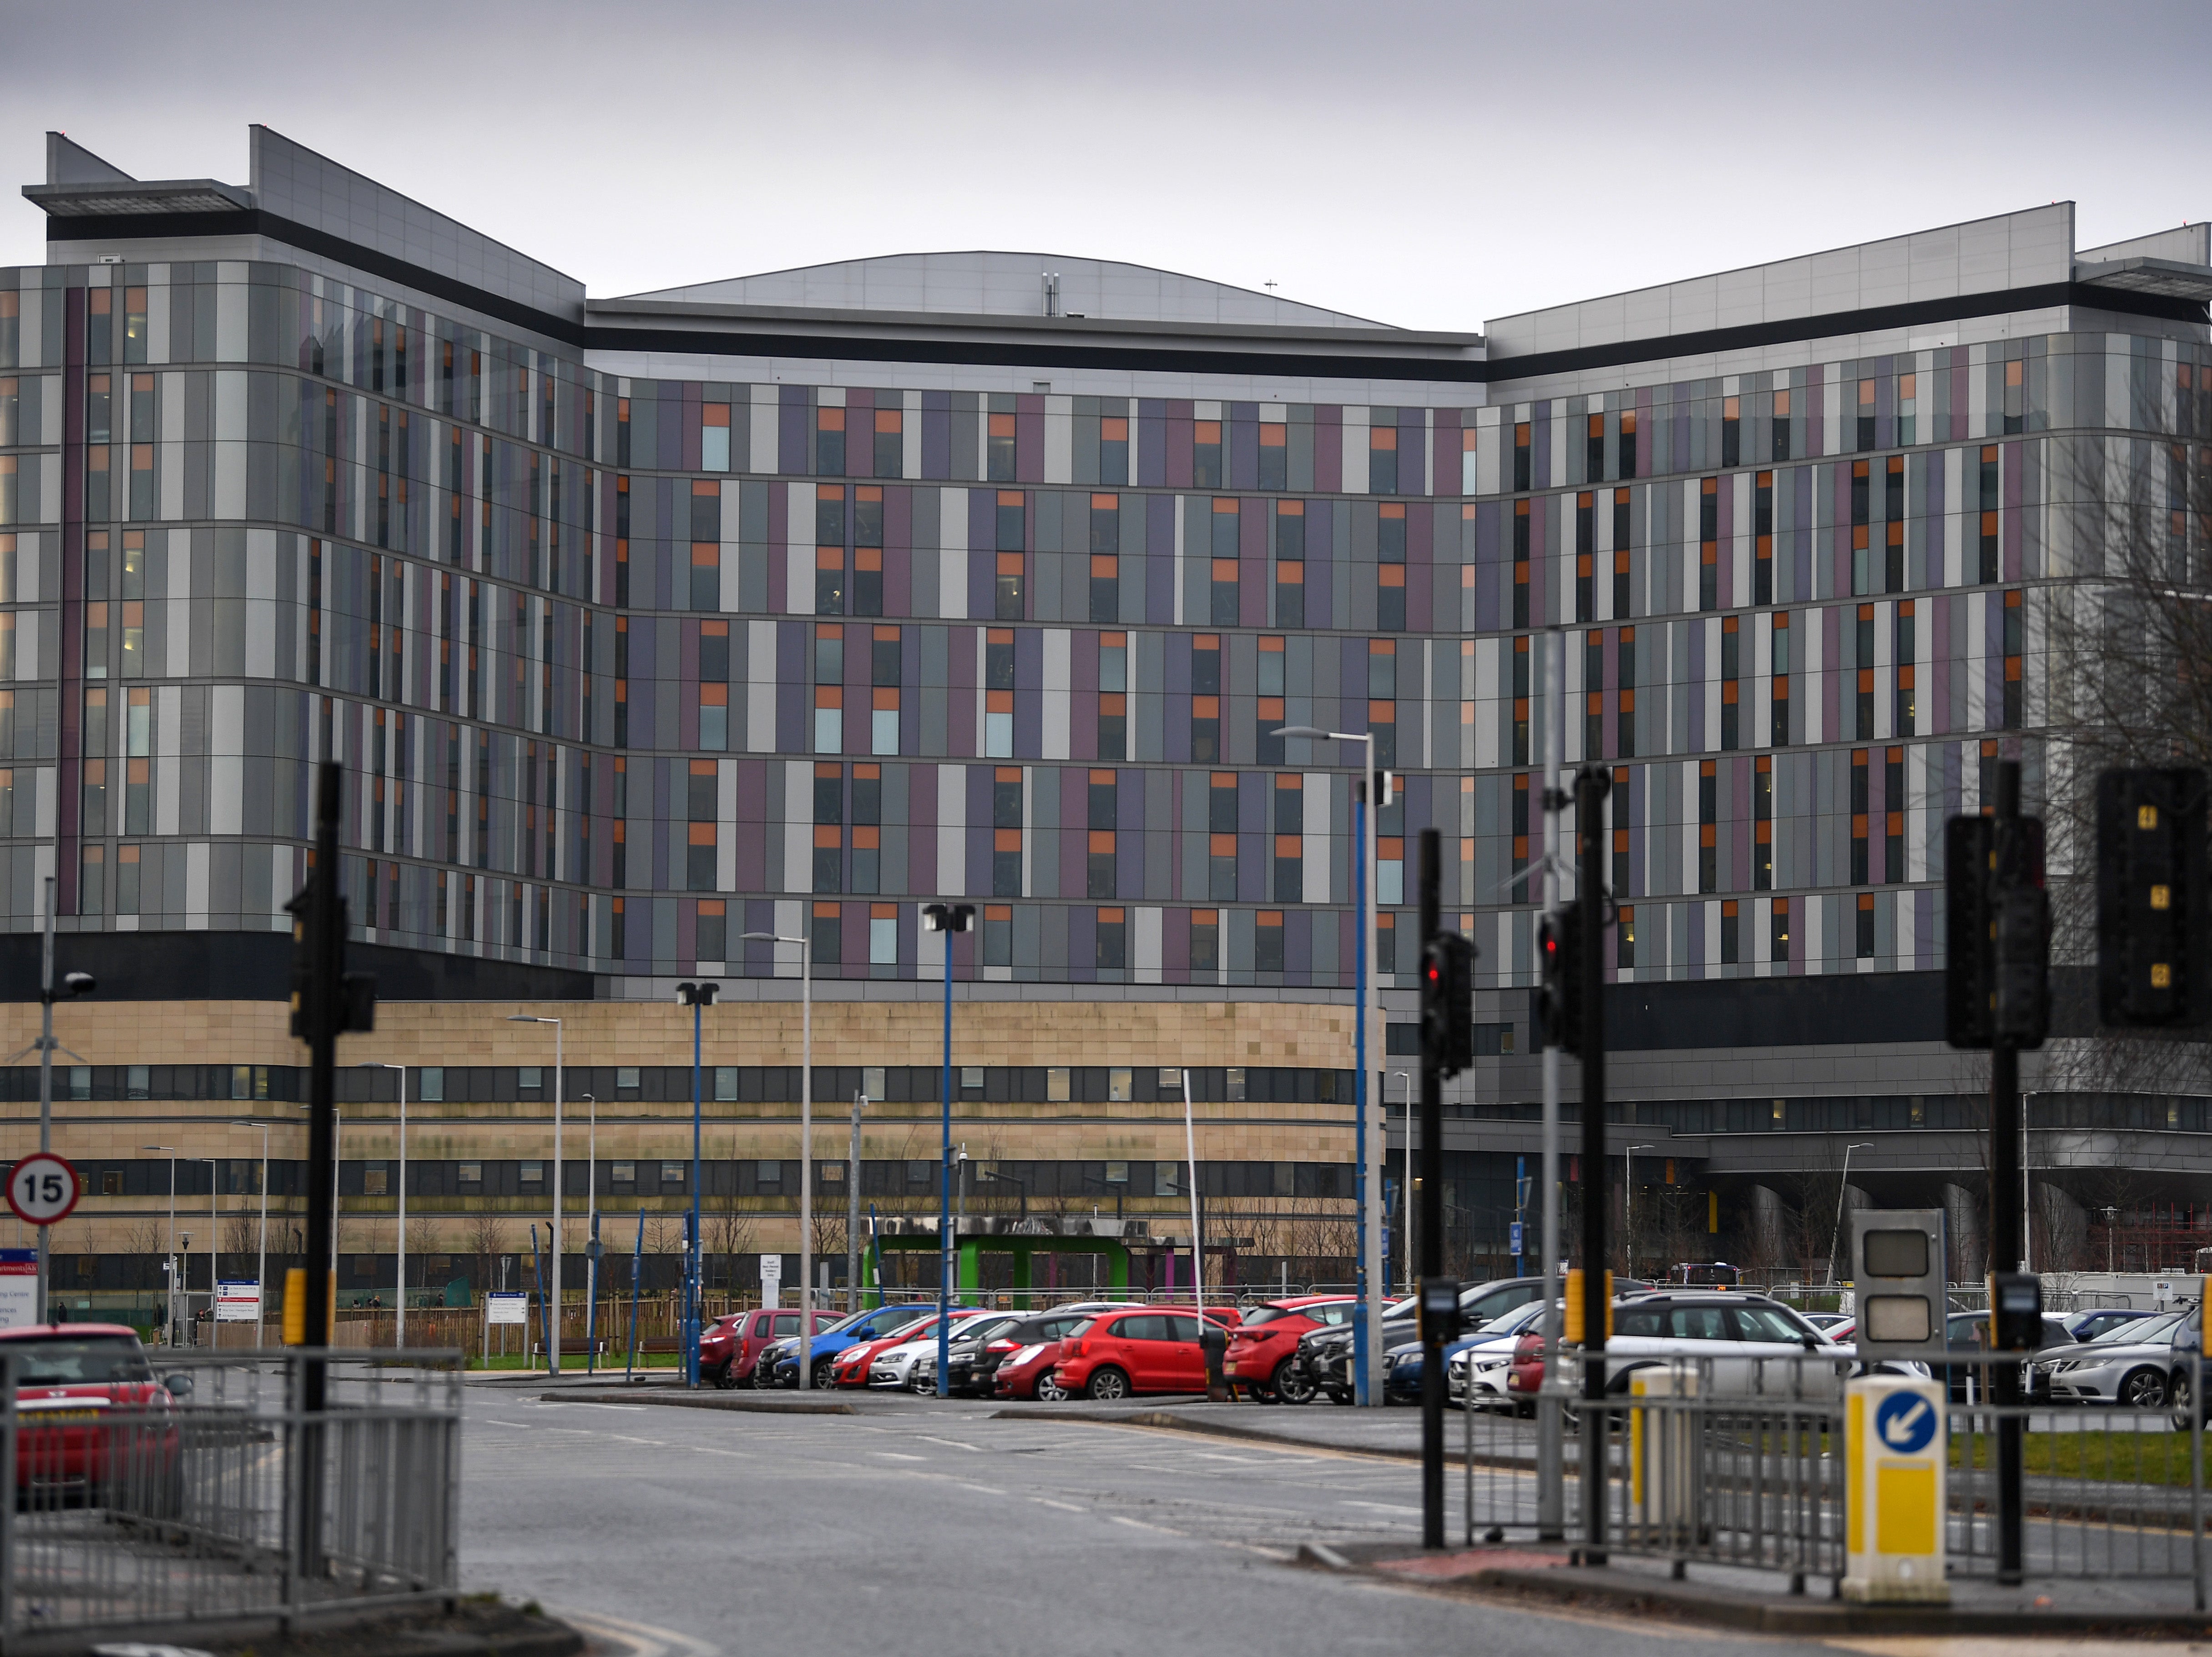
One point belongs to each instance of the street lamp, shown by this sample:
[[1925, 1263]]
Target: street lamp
[[1628, 1200], [947, 919], [805, 1142], [1843, 1190], [261, 1261], [1367, 1362], [697, 997], [592, 1246], [399, 1327], [1406, 1181], [213, 1293], [72, 984], [171, 1255], [553, 1323]]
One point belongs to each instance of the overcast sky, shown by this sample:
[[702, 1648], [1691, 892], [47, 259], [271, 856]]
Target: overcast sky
[[1429, 165]]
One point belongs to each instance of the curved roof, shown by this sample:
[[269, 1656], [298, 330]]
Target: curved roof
[[984, 283]]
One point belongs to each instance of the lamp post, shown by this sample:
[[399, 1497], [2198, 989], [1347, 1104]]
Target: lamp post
[[213, 1192], [806, 1142], [261, 1261], [1628, 1201], [698, 997], [1843, 1190], [72, 984], [399, 1324], [170, 1256], [592, 1244], [1367, 1359], [946, 918], [1405, 1182], [553, 1323]]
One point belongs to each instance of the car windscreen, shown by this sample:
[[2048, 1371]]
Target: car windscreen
[[1264, 1314], [77, 1361], [979, 1329], [1082, 1328], [2145, 1328], [1516, 1321], [1767, 1323]]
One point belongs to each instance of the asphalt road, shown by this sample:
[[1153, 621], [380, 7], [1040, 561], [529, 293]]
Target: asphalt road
[[693, 1531]]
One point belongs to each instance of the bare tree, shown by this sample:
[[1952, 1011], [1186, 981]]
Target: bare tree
[[241, 1234], [484, 1236]]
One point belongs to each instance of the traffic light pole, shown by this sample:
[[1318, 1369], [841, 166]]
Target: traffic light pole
[[1431, 1225], [1591, 786], [2005, 1216]]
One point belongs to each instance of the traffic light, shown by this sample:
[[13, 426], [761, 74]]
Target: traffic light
[[2152, 902], [325, 999], [1447, 1003], [1560, 1002], [1970, 971], [1996, 980]]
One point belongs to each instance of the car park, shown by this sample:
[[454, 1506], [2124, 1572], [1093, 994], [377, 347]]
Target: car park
[[731, 1346], [1324, 1360], [1741, 1344], [1483, 1362], [893, 1365], [1115, 1355], [1017, 1362], [960, 1350], [822, 1351]]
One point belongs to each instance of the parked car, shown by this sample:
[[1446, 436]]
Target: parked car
[[1017, 1362], [1970, 1331], [824, 1348], [731, 1346], [854, 1366], [1116, 1353], [1325, 1360], [960, 1352], [2093, 1321], [2128, 1364], [1268, 1335], [893, 1365], [96, 1427], [1477, 1367], [1743, 1343], [1828, 1321]]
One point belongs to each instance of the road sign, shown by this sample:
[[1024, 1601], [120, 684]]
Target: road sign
[[1513, 1239], [237, 1299], [508, 1308], [42, 1188], [19, 1287], [1905, 1422], [771, 1268]]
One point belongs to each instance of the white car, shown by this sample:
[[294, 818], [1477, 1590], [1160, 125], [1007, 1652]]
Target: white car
[[1749, 1345], [894, 1366], [2124, 1365], [1487, 1359]]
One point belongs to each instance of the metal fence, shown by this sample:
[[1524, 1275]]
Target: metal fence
[[213, 1494], [1742, 1464]]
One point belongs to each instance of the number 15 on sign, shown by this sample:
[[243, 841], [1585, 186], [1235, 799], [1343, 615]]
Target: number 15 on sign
[[42, 1188]]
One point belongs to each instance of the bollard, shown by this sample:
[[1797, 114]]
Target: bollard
[[1896, 1456]]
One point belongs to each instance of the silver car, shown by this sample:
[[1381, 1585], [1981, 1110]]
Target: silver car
[[2125, 1365]]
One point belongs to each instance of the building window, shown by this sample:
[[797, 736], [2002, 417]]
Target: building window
[[531, 1173], [1205, 942], [1267, 941], [830, 442], [1778, 933], [1121, 1086], [1111, 949], [1056, 1085], [430, 1084], [1205, 455], [469, 1174], [624, 1173], [374, 1179], [1729, 932], [1624, 938], [1866, 926], [1000, 456], [1233, 1084]]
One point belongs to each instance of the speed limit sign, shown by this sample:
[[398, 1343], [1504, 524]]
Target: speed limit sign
[[42, 1188]]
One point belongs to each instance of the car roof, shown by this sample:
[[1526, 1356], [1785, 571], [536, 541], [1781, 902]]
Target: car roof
[[47, 1330]]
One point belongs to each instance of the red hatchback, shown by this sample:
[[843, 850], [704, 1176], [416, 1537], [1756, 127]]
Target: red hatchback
[[97, 1427], [730, 1346], [1116, 1353], [1269, 1334]]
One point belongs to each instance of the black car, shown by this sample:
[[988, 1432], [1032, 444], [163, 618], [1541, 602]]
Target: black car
[[969, 1339], [1322, 1362]]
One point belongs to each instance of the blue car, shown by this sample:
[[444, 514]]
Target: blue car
[[1402, 1366], [861, 1326]]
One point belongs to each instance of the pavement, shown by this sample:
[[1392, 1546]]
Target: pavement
[[1278, 1517]]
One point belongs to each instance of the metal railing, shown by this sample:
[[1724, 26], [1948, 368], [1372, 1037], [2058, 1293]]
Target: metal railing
[[1741, 1463], [213, 1495]]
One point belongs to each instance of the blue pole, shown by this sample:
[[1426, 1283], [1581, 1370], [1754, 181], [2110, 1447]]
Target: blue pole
[[1519, 1185], [592, 1305], [691, 1254], [1359, 1331], [944, 1239]]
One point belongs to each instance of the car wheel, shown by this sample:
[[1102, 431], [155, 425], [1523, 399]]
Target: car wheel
[[1263, 1392], [1339, 1395], [1049, 1389], [1294, 1386], [2178, 1393], [824, 1376], [2143, 1389], [720, 1375], [1108, 1386]]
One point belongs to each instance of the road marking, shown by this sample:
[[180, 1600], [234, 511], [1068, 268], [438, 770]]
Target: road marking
[[1138, 1524], [580, 1403], [950, 1443], [638, 1639], [985, 1490], [895, 1456], [1064, 1506], [1381, 1507]]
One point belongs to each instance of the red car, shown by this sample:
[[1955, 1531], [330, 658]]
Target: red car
[[1269, 1334], [1524, 1376], [97, 1427], [730, 1346], [1143, 1349]]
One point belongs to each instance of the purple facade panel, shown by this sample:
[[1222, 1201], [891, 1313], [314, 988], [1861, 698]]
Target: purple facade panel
[[1178, 445], [1152, 443], [936, 435], [2008, 487], [1028, 437], [1421, 565], [1329, 449], [1252, 558], [1832, 674], [982, 538], [794, 407], [1159, 560]]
